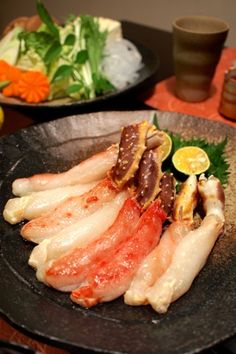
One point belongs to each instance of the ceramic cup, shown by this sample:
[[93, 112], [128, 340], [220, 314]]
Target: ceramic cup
[[228, 96], [197, 46]]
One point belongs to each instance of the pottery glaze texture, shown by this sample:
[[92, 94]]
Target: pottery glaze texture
[[228, 95], [198, 42]]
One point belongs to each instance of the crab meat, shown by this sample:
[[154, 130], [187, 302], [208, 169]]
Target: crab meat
[[67, 272], [89, 170], [111, 277], [156, 263], [38, 203], [76, 235], [69, 212], [192, 252]]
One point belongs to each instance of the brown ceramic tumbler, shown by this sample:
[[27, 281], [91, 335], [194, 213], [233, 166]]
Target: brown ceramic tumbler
[[228, 96], [197, 46]]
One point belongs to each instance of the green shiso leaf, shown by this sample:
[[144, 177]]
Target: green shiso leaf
[[219, 166]]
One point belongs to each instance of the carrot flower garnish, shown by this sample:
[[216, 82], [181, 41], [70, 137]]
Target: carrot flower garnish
[[33, 87]]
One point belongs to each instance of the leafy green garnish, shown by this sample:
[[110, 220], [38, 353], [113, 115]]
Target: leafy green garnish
[[155, 121], [215, 151], [219, 166]]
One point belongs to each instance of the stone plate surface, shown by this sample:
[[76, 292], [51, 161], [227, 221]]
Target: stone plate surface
[[201, 318]]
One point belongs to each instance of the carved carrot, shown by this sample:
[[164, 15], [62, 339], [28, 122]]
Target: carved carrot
[[33, 87]]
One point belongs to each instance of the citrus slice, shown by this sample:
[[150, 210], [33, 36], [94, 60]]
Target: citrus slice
[[191, 160], [166, 146], [1, 117]]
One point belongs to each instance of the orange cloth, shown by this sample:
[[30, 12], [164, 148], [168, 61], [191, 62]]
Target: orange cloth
[[164, 98]]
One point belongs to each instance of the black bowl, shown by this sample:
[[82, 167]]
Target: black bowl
[[116, 100]]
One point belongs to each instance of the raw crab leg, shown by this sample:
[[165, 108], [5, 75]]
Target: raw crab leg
[[67, 272], [90, 170], [79, 234], [68, 212], [34, 205], [156, 263], [192, 252], [112, 275]]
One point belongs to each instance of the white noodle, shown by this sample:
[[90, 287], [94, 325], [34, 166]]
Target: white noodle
[[121, 62]]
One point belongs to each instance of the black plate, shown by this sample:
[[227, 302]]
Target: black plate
[[65, 107], [203, 317]]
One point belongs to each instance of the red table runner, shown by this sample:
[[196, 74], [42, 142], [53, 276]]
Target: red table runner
[[164, 98], [8, 333]]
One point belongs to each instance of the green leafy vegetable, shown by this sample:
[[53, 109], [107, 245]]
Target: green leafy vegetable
[[74, 88], [70, 39], [10, 46], [39, 41], [81, 57], [95, 43], [53, 52], [70, 54], [102, 84], [62, 72], [46, 18]]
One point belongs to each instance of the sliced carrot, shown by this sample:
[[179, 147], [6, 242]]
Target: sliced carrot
[[4, 66], [9, 72], [12, 90], [12, 74], [33, 87]]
